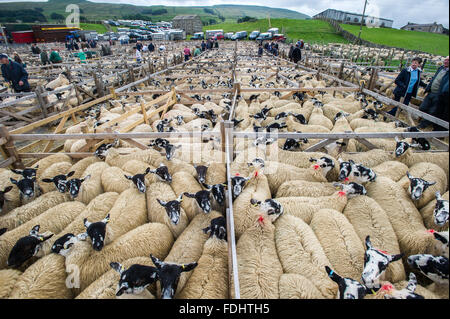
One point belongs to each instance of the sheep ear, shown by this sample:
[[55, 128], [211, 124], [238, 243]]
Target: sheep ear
[[16, 171], [82, 236], [35, 229], [368, 243], [208, 187], [117, 267], [189, 195], [70, 174], [86, 223], [430, 184], [7, 189], [414, 145], [333, 276], [188, 267], [409, 175], [13, 181], [147, 170], [161, 202], [158, 263], [128, 177], [441, 238], [395, 257], [106, 219], [180, 198], [37, 166], [437, 194], [86, 178], [397, 139], [340, 160], [47, 180]]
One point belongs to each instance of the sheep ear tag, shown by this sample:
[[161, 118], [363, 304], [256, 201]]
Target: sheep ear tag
[[183, 266], [382, 251], [316, 167], [237, 174], [431, 231], [261, 220], [346, 179], [122, 268], [342, 193]]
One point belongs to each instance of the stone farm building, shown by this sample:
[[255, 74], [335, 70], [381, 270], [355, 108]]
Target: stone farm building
[[188, 23], [430, 27], [354, 18]]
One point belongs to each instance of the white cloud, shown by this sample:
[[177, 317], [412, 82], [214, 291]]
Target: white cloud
[[401, 11]]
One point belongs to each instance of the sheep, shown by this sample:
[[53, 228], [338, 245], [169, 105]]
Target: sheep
[[46, 162], [348, 288], [53, 220], [430, 212], [189, 245], [391, 169], [388, 291], [423, 192], [209, 280], [28, 188], [164, 208], [8, 278], [370, 158], [258, 264], [305, 207], [339, 241], [300, 253], [114, 158], [295, 286], [433, 267], [403, 153], [317, 118], [182, 182], [305, 188], [368, 218], [135, 167], [356, 123], [60, 81], [93, 187], [10, 201], [406, 220], [81, 166], [149, 238], [112, 179], [441, 243], [105, 287], [24, 213]]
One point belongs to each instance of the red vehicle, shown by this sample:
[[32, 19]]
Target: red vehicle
[[217, 36], [279, 38]]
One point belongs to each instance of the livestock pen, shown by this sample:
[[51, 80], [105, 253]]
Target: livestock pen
[[231, 78]]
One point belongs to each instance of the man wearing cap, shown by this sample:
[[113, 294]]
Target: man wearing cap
[[15, 74]]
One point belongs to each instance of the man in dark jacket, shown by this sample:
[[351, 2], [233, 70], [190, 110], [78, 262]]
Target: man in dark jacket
[[203, 45], [296, 54], [436, 100], [291, 49], [408, 82], [151, 47], [35, 49], [15, 74]]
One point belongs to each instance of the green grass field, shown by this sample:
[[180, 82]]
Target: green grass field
[[413, 40], [312, 31]]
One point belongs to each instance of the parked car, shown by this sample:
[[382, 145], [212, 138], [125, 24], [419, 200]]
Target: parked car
[[264, 36], [254, 35], [279, 38], [273, 31], [241, 35], [218, 36], [198, 36], [228, 35]]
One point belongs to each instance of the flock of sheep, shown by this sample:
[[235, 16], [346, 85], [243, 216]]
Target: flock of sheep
[[133, 223]]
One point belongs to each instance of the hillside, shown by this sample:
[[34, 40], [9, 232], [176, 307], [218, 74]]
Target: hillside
[[312, 31], [99, 11], [412, 40]]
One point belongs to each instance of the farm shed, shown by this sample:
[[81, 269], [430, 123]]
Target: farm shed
[[189, 23]]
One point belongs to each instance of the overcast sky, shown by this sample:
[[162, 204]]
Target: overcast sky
[[401, 11]]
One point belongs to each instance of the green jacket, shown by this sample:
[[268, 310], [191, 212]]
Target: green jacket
[[197, 52], [44, 57], [55, 57]]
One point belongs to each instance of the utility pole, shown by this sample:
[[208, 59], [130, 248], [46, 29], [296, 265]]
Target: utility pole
[[362, 19], [4, 37]]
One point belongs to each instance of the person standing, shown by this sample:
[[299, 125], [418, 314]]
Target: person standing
[[216, 44], [44, 57], [138, 56], [187, 53], [151, 47], [291, 49], [203, 45], [15, 74], [434, 102], [296, 54], [408, 82], [35, 49], [260, 50]]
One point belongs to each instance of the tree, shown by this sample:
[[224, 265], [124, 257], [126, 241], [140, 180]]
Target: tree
[[207, 10], [212, 21], [56, 16], [39, 9]]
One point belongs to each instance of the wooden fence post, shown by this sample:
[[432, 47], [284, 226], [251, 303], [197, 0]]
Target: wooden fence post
[[10, 149], [39, 90], [131, 71]]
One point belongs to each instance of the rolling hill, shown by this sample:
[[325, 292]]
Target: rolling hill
[[98, 11]]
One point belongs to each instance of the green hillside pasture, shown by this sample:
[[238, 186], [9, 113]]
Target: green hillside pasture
[[312, 31], [411, 40]]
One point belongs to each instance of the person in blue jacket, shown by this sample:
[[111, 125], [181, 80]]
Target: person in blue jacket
[[15, 74], [408, 82]]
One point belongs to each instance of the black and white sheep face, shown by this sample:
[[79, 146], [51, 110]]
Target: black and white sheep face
[[339, 115], [442, 243], [2, 196], [435, 268], [172, 208], [263, 141], [370, 114], [352, 189], [299, 117], [27, 247], [60, 181], [441, 210], [375, 264], [345, 169], [348, 288], [170, 150], [218, 192], [203, 200], [27, 172], [26, 186], [179, 119], [292, 144], [163, 173], [417, 186], [96, 232], [298, 96], [201, 173], [139, 180], [401, 147], [406, 293], [74, 185], [102, 150], [424, 144], [363, 174], [281, 115], [169, 275], [271, 207], [236, 122], [325, 163], [275, 126], [134, 279], [237, 185], [217, 228], [63, 245], [159, 142]]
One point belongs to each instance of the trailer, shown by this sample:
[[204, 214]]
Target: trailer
[[52, 33]]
